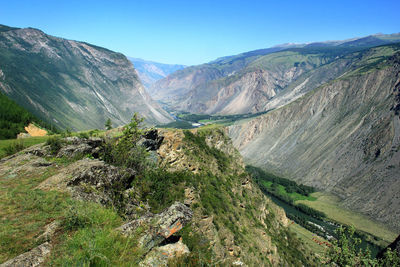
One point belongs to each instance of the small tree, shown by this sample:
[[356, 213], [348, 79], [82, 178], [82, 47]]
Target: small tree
[[127, 152], [108, 124], [345, 252]]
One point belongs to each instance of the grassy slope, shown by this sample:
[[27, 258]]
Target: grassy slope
[[86, 235], [13, 118], [27, 142], [294, 195], [330, 205], [307, 237]]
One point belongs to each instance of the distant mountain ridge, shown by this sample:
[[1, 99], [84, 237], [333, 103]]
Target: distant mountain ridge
[[342, 137], [249, 81], [72, 84], [150, 72]]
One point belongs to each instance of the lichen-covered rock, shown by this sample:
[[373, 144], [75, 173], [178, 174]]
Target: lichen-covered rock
[[161, 255], [104, 184], [79, 146], [49, 231], [39, 150], [32, 258], [151, 140], [160, 226], [97, 181], [71, 151]]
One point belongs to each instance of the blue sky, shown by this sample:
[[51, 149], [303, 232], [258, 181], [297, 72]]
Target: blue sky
[[193, 32]]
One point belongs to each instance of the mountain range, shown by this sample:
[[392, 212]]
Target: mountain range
[[71, 84], [150, 72], [342, 137], [332, 114], [259, 80], [325, 115]]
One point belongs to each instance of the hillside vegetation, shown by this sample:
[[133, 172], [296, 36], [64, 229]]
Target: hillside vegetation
[[73, 85], [87, 211], [342, 137], [13, 119]]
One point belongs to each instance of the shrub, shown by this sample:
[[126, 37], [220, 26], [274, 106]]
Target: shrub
[[14, 148], [55, 144], [84, 135], [344, 252], [125, 151]]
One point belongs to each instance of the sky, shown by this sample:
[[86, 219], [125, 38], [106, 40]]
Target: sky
[[194, 32]]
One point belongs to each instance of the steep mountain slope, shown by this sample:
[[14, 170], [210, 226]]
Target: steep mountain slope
[[150, 72], [267, 81], [71, 84], [13, 118], [179, 83], [225, 219], [343, 137], [248, 82]]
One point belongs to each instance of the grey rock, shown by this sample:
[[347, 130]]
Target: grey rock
[[151, 140], [161, 255], [49, 231], [104, 184], [32, 258], [74, 150], [39, 150], [161, 226], [80, 146]]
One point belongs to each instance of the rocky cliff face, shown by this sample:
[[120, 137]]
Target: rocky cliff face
[[243, 223], [343, 137], [72, 84], [260, 81]]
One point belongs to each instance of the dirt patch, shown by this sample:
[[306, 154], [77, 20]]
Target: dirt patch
[[34, 130]]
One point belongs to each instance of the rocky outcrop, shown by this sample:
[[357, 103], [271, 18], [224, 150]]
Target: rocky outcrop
[[151, 140], [159, 227], [80, 146], [160, 256], [242, 198], [90, 83], [32, 258]]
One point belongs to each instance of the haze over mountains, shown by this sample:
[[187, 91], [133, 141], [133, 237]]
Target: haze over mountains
[[331, 104], [258, 80], [71, 84], [343, 137], [333, 120], [149, 71]]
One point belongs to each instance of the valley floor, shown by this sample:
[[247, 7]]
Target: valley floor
[[331, 206]]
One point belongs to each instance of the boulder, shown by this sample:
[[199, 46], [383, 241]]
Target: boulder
[[151, 140], [103, 183], [161, 255], [32, 258], [160, 226], [80, 146]]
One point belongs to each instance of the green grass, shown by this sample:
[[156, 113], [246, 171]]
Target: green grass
[[27, 142], [331, 206], [86, 236], [206, 121], [294, 195], [90, 239], [24, 211], [307, 237]]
